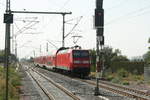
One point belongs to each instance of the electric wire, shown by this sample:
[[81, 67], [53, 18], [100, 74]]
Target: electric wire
[[65, 4], [118, 5], [51, 20], [123, 17], [27, 26]]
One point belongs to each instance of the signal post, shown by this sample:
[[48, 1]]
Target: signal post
[[99, 25]]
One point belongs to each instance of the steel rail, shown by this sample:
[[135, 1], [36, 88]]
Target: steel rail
[[58, 86], [127, 88], [125, 93], [51, 97], [139, 95]]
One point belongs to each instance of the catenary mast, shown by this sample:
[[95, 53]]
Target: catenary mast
[[8, 20]]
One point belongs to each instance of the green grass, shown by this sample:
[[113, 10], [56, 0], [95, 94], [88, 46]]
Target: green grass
[[123, 77], [14, 83], [125, 82]]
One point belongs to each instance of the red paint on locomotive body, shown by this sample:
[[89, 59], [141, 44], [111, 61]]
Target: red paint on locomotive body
[[63, 60]]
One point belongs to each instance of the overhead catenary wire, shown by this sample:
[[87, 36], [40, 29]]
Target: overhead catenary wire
[[67, 1], [51, 20], [138, 11], [52, 44], [27, 26], [74, 27], [116, 6]]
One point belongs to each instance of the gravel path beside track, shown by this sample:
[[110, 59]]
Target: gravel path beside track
[[29, 89]]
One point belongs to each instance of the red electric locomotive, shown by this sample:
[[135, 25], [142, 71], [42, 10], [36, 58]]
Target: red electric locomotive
[[72, 60]]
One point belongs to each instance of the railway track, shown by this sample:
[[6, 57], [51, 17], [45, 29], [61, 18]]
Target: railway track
[[52, 90], [42, 88], [118, 89], [126, 88], [129, 92]]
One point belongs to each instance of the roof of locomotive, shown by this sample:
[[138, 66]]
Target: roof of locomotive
[[70, 50], [62, 50]]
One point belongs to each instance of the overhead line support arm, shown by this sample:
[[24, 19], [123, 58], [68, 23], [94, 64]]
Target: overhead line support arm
[[36, 12], [62, 13]]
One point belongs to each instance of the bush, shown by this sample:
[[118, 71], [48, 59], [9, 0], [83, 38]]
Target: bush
[[138, 77], [135, 67], [110, 77], [122, 73], [92, 68], [116, 80], [125, 82]]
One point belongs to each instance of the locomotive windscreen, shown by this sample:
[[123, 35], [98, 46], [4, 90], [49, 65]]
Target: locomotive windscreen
[[80, 53]]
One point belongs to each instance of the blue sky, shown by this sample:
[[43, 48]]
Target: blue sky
[[126, 25]]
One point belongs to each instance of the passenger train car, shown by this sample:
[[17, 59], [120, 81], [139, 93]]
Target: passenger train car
[[66, 59]]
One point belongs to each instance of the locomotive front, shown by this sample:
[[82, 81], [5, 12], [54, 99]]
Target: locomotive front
[[81, 62]]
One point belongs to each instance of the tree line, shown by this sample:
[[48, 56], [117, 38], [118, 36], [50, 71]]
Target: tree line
[[146, 56], [115, 61]]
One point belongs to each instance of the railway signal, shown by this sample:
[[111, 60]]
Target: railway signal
[[99, 25]]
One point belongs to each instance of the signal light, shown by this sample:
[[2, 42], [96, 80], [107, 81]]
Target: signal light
[[99, 18]]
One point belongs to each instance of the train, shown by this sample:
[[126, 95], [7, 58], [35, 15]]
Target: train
[[72, 60]]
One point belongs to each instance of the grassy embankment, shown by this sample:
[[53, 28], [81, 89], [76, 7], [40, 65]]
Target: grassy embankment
[[14, 83], [123, 77]]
